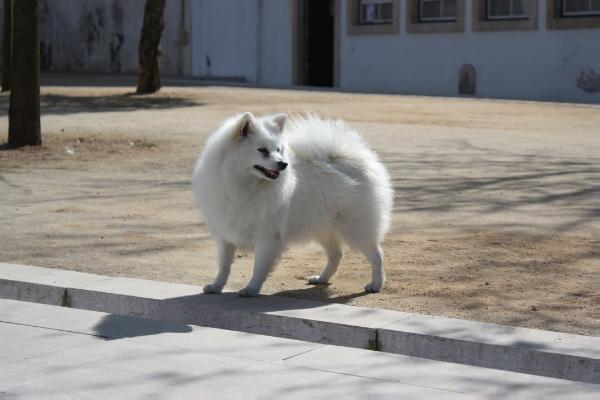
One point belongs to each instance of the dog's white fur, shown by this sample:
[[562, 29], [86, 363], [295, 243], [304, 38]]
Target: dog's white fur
[[334, 191]]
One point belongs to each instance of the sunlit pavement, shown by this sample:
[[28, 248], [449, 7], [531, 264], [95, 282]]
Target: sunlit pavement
[[56, 352]]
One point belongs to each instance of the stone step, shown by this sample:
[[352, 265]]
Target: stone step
[[537, 352]]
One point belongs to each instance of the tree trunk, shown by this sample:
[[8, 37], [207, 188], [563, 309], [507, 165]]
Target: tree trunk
[[149, 78], [6, 44], [24, 113]]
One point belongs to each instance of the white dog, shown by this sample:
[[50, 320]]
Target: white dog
[[262, 183]]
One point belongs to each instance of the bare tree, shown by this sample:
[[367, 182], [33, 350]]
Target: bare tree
[[6, 43], [24, 113], [149, 75]]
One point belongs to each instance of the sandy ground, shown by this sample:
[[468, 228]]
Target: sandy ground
[[496, 217]]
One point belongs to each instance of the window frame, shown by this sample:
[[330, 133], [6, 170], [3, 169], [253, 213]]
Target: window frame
[[353, 27], [490, 17], [436, 19], [556, 20], [577, 14], [414, 24], [481, 23], [360, 3]]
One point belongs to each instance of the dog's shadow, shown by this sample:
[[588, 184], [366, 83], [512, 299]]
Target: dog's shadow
[[320, 293], [176, 315], [312, 296]]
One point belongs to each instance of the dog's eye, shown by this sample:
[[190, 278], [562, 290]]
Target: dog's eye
[[264, 151], [279, 149]]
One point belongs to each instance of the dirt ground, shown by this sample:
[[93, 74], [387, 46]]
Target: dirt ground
[[496, 216]]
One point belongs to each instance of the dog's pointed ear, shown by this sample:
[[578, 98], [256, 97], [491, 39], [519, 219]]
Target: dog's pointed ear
[[279, 121], [244, 126]]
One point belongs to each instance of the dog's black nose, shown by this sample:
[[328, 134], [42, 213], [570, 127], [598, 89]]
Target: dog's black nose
[[282, 165]]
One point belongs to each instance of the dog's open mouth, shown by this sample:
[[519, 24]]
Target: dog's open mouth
[[267, 172]]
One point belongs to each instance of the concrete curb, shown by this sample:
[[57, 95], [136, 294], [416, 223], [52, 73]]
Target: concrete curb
[[551, 354]]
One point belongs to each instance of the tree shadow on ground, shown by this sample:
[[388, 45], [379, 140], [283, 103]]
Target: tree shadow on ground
[[484, 181], [6, 146], [54, 104]]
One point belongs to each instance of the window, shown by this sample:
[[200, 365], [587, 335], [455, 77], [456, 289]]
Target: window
[[573, 14], [375, 12], [437, 10], [580, 8], [435, 16], [505, 15], [373, 17], [506, 9]]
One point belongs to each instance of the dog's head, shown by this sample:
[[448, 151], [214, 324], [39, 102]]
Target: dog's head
[[259, 146]]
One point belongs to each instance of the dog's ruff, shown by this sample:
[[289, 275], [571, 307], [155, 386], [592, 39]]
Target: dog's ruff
[[262, 183]]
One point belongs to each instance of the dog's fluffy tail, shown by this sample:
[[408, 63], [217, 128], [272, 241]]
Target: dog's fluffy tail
[[334, 144], [313, 138]]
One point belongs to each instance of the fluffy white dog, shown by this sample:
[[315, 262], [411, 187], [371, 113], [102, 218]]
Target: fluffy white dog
[[262, 183]]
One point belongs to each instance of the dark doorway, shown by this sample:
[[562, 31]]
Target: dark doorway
[[317, 47]]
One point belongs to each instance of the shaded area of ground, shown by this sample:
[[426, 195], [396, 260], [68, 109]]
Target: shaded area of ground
[[496, 213], [64, 104]]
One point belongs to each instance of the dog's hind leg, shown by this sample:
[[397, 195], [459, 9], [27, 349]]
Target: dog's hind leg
[[375, 256], [265, 257], [226, 253], [334, 252], [365, 242]]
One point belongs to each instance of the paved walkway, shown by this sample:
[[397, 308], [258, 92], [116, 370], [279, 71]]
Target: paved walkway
[[53, 352]]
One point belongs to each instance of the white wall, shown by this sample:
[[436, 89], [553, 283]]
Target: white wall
[[103, 36], [276, 66], [537, 65], [224, 38], [250, 39]]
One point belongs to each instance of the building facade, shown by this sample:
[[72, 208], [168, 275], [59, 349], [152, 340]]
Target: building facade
[[515, 49]]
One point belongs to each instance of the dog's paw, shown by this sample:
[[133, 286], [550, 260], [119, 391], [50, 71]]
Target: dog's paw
[[248, 292], [315, 280], [212, 289], [373, 287]]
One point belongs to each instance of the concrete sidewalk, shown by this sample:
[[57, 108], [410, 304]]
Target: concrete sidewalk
[[550, 354], [56, 352]]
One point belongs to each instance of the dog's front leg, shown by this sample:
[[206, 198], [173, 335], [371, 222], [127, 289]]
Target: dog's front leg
[[266, 255], [226, 253]]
